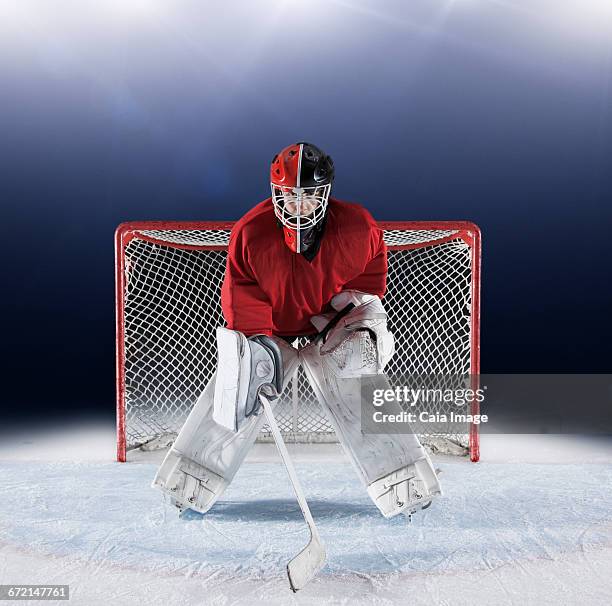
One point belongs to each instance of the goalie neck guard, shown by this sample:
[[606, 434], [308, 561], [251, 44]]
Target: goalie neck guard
[[301, 176]]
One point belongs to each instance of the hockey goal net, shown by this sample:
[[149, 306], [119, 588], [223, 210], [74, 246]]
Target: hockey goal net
[[168, 280]]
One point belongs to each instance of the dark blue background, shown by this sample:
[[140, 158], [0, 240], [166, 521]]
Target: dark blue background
[[494, 112]]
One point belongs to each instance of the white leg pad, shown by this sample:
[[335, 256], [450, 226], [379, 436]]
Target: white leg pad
[[190, 484], [206, 456], [394, 467], [407, 489]]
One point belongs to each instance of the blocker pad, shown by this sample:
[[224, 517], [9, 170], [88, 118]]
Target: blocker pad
[[245, 366]]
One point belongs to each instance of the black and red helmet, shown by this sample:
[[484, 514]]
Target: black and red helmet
[[301, 176]]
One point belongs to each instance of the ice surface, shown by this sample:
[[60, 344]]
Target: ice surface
[[489, 516], [503, 533]]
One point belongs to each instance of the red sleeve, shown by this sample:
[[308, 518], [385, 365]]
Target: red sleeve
[[373, 279], [245, 306]]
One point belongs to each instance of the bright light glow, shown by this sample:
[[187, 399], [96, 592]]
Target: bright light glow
[[134, 9], [26, 16], [579, 17], [590, 13]]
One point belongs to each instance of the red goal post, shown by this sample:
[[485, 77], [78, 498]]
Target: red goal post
[[168, 278]]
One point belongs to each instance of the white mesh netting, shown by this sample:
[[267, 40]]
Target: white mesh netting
[[171, 308]]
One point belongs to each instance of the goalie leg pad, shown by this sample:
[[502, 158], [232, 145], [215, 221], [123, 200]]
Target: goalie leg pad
[[374, 456], [406, 490], [191, 485], [206, 456]]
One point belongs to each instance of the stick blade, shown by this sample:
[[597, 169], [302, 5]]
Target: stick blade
[[306, 564]]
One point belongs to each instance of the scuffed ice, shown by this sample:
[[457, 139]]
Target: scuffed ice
[[490, 515]]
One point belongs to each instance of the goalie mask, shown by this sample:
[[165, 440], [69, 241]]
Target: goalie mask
[[301, 176]]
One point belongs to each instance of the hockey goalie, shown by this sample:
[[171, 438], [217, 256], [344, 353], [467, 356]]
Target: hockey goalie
[[299, 264]]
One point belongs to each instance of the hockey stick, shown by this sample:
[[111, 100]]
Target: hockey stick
[[306, 564], [343, 312]]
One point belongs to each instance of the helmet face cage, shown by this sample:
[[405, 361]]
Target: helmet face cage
[[300, 207], [301, 176]]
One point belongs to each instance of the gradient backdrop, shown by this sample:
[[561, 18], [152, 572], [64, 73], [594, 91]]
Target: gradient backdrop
[[496, 111]]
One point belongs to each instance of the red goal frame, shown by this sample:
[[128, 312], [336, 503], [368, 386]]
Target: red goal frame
[[465, 230]]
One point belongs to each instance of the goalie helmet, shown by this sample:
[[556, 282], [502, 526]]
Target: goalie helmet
[[301, 176]]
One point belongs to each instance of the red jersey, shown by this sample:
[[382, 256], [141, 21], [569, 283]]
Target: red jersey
[[268, 289]]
